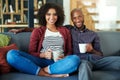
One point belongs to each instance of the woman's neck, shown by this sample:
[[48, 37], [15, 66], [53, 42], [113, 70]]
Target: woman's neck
[[52, 28]]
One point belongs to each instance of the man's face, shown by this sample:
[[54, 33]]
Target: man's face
[[77, 19]]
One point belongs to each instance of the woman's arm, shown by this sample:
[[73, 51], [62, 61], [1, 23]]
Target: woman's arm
[[34, 42], [68, 42]]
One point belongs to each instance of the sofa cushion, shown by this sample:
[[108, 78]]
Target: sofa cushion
[[23, 76], [4, 66], [4, 40]]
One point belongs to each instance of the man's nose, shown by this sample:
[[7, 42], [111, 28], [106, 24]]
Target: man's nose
[[77, 19]]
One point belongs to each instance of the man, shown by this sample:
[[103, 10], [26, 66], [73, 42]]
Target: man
[[93, 58]]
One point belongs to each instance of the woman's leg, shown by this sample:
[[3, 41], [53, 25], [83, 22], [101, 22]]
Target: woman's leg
[[25, 62], [65, 66]]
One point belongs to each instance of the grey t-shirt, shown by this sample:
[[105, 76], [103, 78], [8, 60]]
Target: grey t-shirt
[[53, 41]]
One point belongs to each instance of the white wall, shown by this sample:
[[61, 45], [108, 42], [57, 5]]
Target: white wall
[[112, 13], [66, 5]]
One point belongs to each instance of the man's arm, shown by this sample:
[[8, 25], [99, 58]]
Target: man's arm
[[27, 29], [96, 46], [96, 52], [21, 30], [91, 50]]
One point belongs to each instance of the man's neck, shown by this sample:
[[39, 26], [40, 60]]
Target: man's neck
[[81, 28]]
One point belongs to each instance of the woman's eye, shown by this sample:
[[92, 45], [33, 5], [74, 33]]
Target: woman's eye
[[48, 14], [55, 14]]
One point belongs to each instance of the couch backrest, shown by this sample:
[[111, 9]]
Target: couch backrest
[[21, 39], [110, 41]]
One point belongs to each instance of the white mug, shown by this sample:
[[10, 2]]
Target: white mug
[[56, 55], [82, 47]]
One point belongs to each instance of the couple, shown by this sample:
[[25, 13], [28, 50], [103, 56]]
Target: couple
[[40, 62]]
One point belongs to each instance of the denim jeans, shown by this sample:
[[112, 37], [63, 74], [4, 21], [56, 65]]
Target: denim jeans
[[105, 63], [27, 63]]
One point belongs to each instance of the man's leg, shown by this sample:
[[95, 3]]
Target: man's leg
[[85, 70], [108, 63]]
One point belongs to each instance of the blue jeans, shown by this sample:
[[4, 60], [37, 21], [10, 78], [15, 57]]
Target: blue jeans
[[105, 63], [27, 63]]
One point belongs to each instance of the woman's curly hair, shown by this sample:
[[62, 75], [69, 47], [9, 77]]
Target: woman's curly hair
[[44, 9]]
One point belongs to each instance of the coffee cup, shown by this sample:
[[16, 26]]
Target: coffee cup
[[56, 55], [82, 47]]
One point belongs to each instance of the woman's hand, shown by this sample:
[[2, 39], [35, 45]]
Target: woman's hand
[[61, 56], [47, 54]]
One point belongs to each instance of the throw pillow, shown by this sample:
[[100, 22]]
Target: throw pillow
[[4, 66], [4, 40]]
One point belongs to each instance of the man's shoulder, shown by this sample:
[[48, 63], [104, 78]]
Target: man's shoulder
[[68, 27], [91, 32]]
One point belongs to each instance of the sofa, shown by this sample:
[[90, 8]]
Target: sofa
[[109, 44]]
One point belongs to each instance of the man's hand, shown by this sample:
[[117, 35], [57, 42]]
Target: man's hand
[[15, 31], [89, 47], [91, 50]]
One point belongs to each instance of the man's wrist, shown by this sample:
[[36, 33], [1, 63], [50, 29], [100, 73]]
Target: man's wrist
[[93, 51]]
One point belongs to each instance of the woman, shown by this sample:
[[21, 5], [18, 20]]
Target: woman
[[43, 42]]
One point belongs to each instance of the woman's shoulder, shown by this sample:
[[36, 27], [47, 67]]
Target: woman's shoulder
[[40, 28], [64, 29]]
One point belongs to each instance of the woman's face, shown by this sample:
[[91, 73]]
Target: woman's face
[[51, 17]]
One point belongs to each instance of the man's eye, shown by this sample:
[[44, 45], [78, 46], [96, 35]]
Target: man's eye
[[74, 18]]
